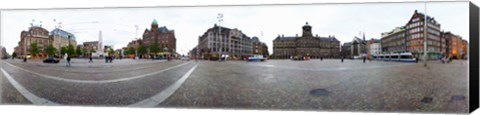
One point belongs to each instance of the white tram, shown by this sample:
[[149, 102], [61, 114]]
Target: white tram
[[400, 57]]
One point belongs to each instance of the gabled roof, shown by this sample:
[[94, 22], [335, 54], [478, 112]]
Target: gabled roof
[[347, 44], [422, 17], [359, 40]]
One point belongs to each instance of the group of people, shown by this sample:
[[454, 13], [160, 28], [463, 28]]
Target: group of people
[[108, 59]]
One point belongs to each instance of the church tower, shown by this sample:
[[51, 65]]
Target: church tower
[[154, 25]]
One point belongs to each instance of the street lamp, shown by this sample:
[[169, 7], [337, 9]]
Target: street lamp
[[220, 19], [425, 37]]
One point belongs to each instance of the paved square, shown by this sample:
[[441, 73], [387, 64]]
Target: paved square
[[274, 84]]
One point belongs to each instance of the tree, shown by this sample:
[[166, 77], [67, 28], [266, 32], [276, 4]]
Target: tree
[[154, 48], [70, 49], [79, 51], [142, 50], [85, 51], [50, 49], [63, 50], [110, 51], [92, 51], [34, 48], [130, 50], [14, 54]]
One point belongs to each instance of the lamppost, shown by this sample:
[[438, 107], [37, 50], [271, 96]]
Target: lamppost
[[220, 19], [425, 37], [136, 37]]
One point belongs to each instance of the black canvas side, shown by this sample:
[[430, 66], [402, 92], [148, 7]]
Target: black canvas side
[[473, 52]]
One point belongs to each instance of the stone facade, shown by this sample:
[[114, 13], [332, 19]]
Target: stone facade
[[306, 45], [90, 46], [456, 46], [415, 40], [230, 42], [34, 34], [374, 47], [61, 39], [359, 48], [259, 48], [394, 41], [162, 36]]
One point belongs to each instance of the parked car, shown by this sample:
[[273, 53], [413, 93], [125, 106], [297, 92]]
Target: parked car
[[51, 60], [256, 58]]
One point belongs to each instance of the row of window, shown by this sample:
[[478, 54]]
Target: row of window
[[414, 30], [40, 33], [420, 49], [413, 36], [415, 24], [420, 42], [435, 26], [394, 37], [434, 32]]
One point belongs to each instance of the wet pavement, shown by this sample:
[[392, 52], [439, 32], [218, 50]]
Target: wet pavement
[[274, 84]]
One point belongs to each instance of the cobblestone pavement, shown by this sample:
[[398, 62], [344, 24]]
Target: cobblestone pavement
[[349, 86], [274, 84], [120, 93]]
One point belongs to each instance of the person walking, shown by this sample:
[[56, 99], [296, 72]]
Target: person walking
[[364, 58], [106, 59], [342, 59], [91, 60], [68, 61], [321, 58]]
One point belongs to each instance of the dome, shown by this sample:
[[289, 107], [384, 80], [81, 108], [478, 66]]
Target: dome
[[154, 22], [306, 25]]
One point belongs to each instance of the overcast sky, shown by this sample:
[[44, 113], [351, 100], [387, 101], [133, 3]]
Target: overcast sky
[[344, 21]]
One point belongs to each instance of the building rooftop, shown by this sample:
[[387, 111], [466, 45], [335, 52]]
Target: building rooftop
[[62, 33], [330, 38], [255, 39]]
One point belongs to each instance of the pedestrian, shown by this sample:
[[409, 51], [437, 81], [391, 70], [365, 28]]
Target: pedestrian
[[106, 59], [25, 59], [321, 58], [68, 61], [364, 58], [342, 59], [416, 59], [91, 60], [443, 60]]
